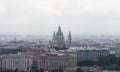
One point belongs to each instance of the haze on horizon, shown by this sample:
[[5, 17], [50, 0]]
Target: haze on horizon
[[44, 16]]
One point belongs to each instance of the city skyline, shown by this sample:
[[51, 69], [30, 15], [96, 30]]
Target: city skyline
[[44, 16]]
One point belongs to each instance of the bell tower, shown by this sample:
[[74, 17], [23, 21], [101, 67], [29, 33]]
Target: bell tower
[[69, 39]]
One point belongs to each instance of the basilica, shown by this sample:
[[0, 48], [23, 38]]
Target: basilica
[[59, 41]]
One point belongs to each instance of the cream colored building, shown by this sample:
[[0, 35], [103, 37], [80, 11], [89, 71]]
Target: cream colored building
[[52, 61], [22, 62]]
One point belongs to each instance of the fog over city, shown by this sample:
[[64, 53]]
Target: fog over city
[[59, 35], [44, 16]]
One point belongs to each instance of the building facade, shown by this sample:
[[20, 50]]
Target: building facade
[[91, 54], [53, 61], [20, 62]]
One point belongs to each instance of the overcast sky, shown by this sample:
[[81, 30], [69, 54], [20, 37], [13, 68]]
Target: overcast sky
[[44, 16]]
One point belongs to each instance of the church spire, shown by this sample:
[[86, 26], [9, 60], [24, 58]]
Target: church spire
[[54, 35], [59, 29], [69, 38]]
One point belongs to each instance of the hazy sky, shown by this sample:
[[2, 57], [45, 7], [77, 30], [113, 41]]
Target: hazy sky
[[44, 16]]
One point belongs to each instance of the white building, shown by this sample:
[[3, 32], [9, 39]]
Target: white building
[[22, 62], [50, 61]]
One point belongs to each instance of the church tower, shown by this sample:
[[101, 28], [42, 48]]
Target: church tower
[[69, 39], [58, 39], [54, 38]]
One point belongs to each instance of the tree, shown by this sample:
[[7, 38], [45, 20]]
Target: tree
[[57, 70], [16, 70], [41, 70], [79, 70], [109, 60], [8, 70], [34, 67], [54, 70], [86, 63], [60, 70]]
